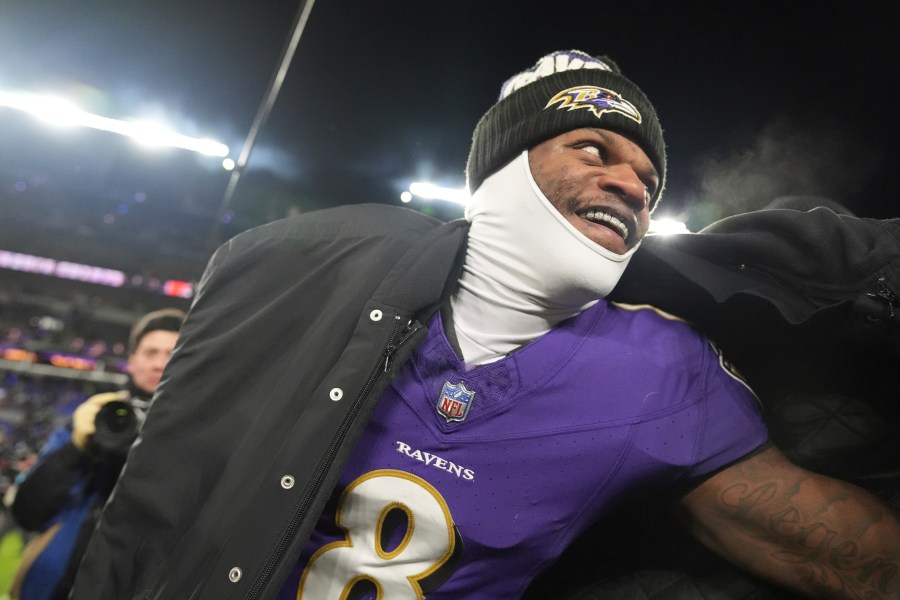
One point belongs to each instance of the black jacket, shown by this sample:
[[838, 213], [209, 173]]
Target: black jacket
[[293, 335]]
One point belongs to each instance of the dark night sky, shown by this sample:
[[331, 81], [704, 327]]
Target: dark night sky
[[757, 99]]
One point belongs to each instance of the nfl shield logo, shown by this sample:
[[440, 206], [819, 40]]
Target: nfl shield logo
[[455, 401]]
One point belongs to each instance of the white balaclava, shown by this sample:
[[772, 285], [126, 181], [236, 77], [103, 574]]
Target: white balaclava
[[526, 267]]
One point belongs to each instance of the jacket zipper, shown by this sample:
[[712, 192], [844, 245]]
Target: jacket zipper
[[382, 366], [391, 350]]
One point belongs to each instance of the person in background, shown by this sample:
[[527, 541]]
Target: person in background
[[62, 494]]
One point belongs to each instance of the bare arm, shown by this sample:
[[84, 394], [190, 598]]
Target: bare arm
[[822, 537]]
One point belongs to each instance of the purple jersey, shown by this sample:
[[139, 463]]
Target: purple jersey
[[467, 483]]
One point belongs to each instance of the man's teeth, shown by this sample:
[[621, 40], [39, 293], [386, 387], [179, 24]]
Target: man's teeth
[[598, 216]]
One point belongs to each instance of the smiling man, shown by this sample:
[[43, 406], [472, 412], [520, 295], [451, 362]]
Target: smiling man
[[378, 405]]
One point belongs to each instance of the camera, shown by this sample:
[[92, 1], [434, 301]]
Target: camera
[[117, 425]]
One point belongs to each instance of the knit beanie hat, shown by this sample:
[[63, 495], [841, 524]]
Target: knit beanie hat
[[564, 90]]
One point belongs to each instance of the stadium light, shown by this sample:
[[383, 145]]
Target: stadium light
[[667, 226], [53, 110], [431, 191], [58, 111]]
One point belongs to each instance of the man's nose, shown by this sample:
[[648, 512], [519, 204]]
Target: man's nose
[[622, 181]]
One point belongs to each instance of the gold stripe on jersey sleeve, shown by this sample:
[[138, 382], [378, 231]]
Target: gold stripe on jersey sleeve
[[636, 307]]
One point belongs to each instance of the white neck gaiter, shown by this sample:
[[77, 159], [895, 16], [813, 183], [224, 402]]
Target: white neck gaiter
[[526, 268]]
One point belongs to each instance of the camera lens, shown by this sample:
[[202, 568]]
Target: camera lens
[[116, 428], [118, 419]]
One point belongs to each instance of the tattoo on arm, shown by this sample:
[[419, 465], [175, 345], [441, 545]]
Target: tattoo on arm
[[827, 552]]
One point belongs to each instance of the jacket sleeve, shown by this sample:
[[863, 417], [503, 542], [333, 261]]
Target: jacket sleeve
[[789, 295]]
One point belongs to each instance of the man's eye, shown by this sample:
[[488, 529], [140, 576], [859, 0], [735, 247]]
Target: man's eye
[[594, 150]]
